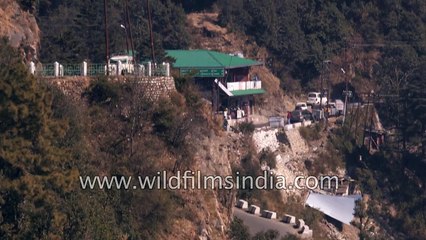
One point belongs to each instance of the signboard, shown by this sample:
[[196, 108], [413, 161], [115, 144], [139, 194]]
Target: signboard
[[349, 93], [203, 72]]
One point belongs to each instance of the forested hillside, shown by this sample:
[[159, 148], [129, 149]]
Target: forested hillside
[[74, 30], [380, 43], [299, 35], [48, 140], [302, 34]]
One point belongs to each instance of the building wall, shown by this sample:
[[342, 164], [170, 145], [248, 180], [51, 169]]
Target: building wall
[[239, 74]]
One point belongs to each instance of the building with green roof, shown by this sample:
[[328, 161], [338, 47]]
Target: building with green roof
[[214, 70], [205, 59]]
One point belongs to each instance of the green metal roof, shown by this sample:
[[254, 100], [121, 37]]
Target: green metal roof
[[237, 93], [208, 59]]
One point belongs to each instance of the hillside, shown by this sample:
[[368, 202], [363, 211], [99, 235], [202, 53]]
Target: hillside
[[20, 27], [55, 131]]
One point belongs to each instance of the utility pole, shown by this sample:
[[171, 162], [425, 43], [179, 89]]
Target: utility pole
[[321, 91], [371, 122], [150, 32], [106, 38], [322, 79], [130, 31], [366, 117], [346, 86]]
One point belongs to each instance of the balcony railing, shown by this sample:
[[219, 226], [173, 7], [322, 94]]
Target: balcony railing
[[233, 86]]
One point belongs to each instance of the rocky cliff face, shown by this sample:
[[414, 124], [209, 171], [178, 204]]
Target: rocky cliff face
[[20, 27]]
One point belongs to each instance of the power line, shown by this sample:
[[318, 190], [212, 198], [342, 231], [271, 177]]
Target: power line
[[150, 31]]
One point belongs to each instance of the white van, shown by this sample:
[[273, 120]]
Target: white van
[[302, 106], [339, 105], [314, 98], [124, 62]]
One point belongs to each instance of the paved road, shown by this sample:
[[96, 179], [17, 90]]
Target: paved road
[[256, 224]]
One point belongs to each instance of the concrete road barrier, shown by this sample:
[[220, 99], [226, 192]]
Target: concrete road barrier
[[289, 219], [306, 232], [269, 214], [254, 209], [242, 204], [299, 224], [288, 127]]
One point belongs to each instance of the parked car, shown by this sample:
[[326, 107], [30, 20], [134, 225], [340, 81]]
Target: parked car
[[301, 106], [314, 98], [317, 114], [296, 116], [307, 115]]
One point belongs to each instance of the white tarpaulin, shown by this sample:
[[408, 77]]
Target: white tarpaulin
[[337, 207]]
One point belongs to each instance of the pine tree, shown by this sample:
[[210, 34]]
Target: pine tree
[[34, 173]]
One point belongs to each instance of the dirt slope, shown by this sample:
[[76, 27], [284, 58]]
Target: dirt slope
[[20, 27]]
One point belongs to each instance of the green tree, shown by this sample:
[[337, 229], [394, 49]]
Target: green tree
[[74, 30], [34, 172], [238, 231]]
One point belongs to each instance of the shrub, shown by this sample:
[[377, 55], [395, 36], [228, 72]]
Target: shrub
[[268, 235], [189, 90], [247, 128], [290, 237], [268, 157], [282, 138], [311, 133], [102, 91], [238, 231]]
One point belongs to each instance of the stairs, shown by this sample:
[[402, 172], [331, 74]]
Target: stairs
[[223, 88]]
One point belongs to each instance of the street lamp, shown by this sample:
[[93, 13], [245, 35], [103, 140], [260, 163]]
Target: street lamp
[[127, 41]]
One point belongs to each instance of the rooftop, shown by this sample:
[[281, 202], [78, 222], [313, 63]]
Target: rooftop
[[208, 59]]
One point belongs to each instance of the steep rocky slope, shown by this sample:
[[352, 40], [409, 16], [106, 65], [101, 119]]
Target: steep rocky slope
[[20, 27]]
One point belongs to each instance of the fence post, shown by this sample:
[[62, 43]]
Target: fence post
[[61, 70], [119, 66], [167, 69], [163, 69], [84, 69], [149, 69], [32, 68], [56, 69], [141, 70]]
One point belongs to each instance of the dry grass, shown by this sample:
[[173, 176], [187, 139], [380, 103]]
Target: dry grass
[[274, 102]]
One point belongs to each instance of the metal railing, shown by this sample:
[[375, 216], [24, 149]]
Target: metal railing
[[96, 69], [46, 70], [70, 70], [159, 70], [245, 85]]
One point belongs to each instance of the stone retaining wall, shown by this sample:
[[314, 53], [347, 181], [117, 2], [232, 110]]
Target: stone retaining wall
[[154, 86]]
